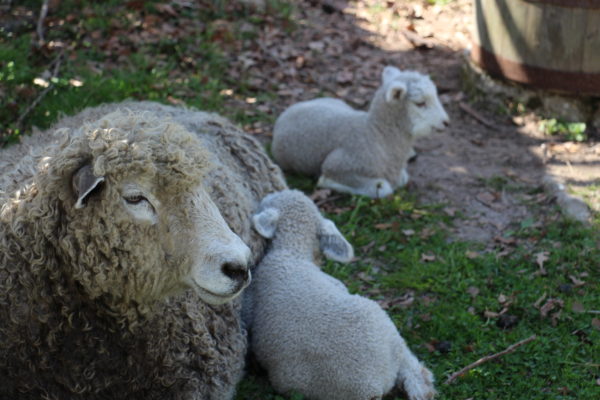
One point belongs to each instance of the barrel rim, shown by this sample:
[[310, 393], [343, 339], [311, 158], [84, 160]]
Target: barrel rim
[[537, 77], [587, 4]]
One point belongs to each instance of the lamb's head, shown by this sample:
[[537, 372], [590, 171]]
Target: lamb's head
[[138, 223], [416, 95], [291, 216]]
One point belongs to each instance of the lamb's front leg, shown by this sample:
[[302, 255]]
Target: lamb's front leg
[[374, 188], [339, 173]]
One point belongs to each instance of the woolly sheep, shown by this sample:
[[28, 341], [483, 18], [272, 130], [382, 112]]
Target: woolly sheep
[[355, 151], [118, 274], [306, 330]]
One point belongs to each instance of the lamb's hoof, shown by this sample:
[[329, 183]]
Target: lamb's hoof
[[404, 178], [412, 155], [419, 386], [381, 189]]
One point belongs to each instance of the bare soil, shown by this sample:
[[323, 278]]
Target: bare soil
[[488, 167]]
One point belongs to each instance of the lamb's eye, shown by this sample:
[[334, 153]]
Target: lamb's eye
[[421, 104], [135, 199]]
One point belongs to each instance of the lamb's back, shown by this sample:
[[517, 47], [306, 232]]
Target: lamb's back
[[308, 131], [309, 329]]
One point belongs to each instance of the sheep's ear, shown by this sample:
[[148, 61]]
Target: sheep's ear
[[265, 222], [333, 244], [395, 92], [389, 73], [84, 183]]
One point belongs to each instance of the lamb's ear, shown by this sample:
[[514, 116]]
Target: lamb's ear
[[389, 73], [265, 222], [395, 92], [333, 244], [84, 183]]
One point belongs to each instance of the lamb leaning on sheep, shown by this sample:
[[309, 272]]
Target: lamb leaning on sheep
[[310, 334], [118, 273], [356, 151]]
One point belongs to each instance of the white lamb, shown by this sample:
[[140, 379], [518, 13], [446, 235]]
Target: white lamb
[[307, 331], [355, 151]]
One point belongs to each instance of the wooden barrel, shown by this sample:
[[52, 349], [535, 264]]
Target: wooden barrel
[[546, 44]]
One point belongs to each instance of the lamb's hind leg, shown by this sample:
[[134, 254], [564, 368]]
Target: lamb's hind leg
[[416, 379], [338, 174]]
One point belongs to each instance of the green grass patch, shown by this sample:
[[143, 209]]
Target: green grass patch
[[575, 131], [460, 297], [112, 51]]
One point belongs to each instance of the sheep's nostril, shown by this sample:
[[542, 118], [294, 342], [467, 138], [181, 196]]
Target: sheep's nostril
[[235, 271], [446, 123]]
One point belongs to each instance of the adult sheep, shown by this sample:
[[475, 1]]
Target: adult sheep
[[117, 272], [360, 152]]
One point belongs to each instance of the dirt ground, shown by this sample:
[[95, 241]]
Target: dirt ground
[[488, 167]]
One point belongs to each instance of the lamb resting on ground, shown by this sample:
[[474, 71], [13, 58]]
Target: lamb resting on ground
[[306, 330], [118, 273], [356, 151]]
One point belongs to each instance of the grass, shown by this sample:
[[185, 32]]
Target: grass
[[575, 131], [442, 294]]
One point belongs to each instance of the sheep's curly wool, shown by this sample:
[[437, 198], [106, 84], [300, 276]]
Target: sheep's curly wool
[[84, 309]]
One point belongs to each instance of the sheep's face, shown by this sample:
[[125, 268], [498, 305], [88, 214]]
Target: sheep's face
[[219, 269], [213, 260], [418, 94], [147, 225]]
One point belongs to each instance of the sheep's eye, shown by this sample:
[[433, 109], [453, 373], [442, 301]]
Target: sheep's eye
[[136, 199], [421, 104]]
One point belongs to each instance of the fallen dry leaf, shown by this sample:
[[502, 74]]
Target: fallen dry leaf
[[538, 302], [418, 41], [166, 9], [404, 301], [487, 198], [426, 233], [502, 299], [427, 257], [566, 147], [320, 195], [364, 277], [473, 291], [450, 211], [490, 314], [577, 307], [540, 259], [383, 226], [506, 241], [576, 282], [471, 254], [551, 304], [596, 323], [408, 232]]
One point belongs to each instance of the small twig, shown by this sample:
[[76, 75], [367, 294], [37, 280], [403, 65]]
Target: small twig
[[593, 311], [469, 110], [477, 363], [56, 62], [587, 365], [40, 24]]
